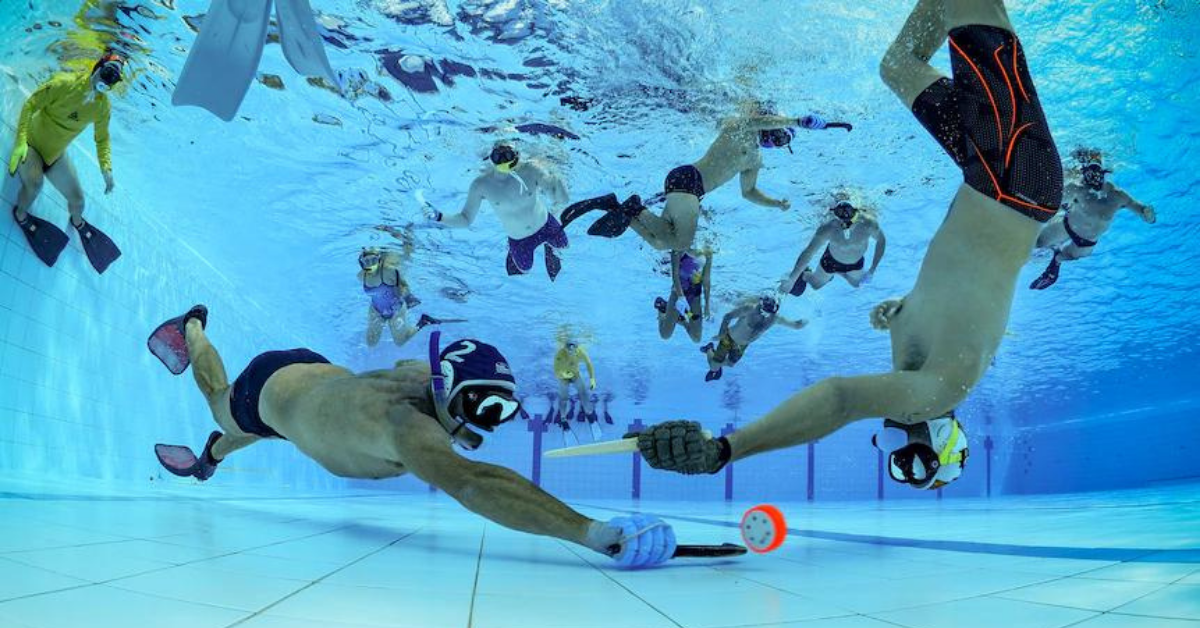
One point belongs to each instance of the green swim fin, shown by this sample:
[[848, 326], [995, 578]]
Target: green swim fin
[[101, 250], [46, 240]]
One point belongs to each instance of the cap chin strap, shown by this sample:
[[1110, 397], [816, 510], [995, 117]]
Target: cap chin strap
[[455, 427]]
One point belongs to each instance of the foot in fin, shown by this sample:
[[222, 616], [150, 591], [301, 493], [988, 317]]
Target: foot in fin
[[713, 375], [660, 304], [181, 461], [617, 221], [553, 263], [100, 249], [1049, 276], [46, 240], [801, 284], [427, 320], [608, 202], [410, 301], [706, 348], [168, 343]]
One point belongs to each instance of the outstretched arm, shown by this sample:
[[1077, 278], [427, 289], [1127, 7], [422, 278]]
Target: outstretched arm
[[708, 264], [469, 211], [733, 315], [588, 361], [1146, 212], [829, 405], [491, 491], [794, 324], [818, 242], [880, 247], [811, 121], [750, 191]]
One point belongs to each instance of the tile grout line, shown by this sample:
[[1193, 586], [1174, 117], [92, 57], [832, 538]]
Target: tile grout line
[[475, 585]]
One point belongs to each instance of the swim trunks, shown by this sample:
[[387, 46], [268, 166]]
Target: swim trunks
[[247, 388], [1079, 240], [990, 122], [520, 252], [728, 352], [830, 265], [684, 180]]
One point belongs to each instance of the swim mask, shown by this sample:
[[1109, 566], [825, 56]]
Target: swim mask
[[926, 455], [776, 138], [1093, 175], [572, 346], [768, 304], [369, 260], [472, 384], [504, 157], [846, 212], [108, 70]]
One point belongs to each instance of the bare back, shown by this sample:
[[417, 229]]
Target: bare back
[[733, 152], [342, 420]]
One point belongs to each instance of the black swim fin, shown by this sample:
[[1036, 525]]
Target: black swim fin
[[168, 342], [1048, 277], [101, 250], [608, 202], [617, 221], [713, 375], [46, 240]]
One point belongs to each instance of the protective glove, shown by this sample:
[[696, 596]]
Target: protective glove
[[812, 122], [634, 542], [108, 182], [681, 446], [19, 153]]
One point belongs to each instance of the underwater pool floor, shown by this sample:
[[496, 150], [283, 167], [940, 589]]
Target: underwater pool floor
[[203, 556]]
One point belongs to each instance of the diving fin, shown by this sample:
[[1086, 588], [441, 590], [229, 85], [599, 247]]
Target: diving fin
[[224, 58], [168, 343], [1048, 277], [713, 375], [411, 301], [302, 43], [46, 240], [183, 462], [100, 249], [608, 202], [617, 221]]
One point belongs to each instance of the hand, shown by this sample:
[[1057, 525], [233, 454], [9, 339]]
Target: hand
[[19, 153], [867, 277], [593, 382], [635, 542], [708, 314], [783, 203], [108, 182], [1149, 215], [882, 315], [432, 214], [681, 446]]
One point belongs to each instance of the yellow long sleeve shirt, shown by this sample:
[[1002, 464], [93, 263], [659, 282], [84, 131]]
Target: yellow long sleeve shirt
[[566, 366], [58, 111]]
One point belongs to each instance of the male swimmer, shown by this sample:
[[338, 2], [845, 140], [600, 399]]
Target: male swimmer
[[844, 236], [1090, 209], [384, 424], [52, 117], [735, 152], [944, 333], [514, 188], [741, 326]]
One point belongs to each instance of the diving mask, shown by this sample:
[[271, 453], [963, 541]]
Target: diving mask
[[1093, 175], [926, 455], [846, 212], [108, 71], [504, 157]]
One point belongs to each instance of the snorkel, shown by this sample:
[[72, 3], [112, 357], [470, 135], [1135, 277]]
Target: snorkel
[[846, 212], [107, 72], [774, 138], [504, 158], [369, 261], [456, 428]]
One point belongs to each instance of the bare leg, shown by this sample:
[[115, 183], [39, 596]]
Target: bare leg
[[695, 326], [212, 381], [983, 12], [64, 179], [32, 174], [563, 394], [675, 229], [402, 332], [817, 278], [905, 67], [374, 326], [854, 277], [585, 399], [669, 319], [1054, 233]]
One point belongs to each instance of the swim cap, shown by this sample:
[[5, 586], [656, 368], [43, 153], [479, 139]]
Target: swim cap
[[504, 157], [476, 375], [926, 455]]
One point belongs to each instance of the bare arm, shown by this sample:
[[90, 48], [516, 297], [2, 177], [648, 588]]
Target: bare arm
[[588, 361], [880, 247], [829, 405], [733, 314], [708, 284], [552, 184], [793, 324], [1144, 211], [818, 242], [750, 191], [491, 491], [765, 123], [469, 211]]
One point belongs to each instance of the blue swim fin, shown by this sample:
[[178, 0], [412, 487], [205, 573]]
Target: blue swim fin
[[224, 58], [100, 249], [302, 43], [46, 240]]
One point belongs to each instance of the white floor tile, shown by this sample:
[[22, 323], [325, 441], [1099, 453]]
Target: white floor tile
[[95, 563], [238, 591], [375, 606], [509, 611], [1116, 620], [17, 580], [758, 607], [102, 606], [986, 613], [1083, 593], [1179, 601], [1165, 573]]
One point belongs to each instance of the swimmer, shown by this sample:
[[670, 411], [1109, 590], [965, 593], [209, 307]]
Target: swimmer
[[384, 424], [740, 327], [379, 272], [1090, 207], [53, 116], [945, 332], [567, 361], [735, 152], [845, 236], [514, 187], [691, 279]]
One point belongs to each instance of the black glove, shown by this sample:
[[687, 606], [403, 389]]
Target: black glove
[[681, 446]]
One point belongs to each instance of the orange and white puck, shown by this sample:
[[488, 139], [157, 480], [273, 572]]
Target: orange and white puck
[[763, 529]]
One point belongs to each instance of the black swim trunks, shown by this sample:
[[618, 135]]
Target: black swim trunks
[[685, 180], [990, 122], [834, 267], [1079, 240], [247, 388]]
